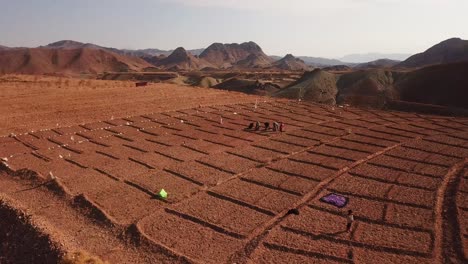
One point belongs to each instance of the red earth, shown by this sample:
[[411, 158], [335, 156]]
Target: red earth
[[91, 183]]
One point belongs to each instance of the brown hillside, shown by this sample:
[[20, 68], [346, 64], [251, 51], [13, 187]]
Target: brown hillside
[[381, 63], [291, 63], [336, 68], [67, 44], [180, 59], [69, 61], [254, 61], [317, 86], [367, 87], [71, 44], [448, 51], [443, 85], [226, 55], [440, 85]]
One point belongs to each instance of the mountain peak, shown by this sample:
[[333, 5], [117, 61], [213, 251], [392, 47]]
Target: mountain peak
[[227, 55], [452, 40], [447, 51], [179, 54], [251, 46], [180, 50], [289, 62], [181, 59], [65, 44], [450, 43]]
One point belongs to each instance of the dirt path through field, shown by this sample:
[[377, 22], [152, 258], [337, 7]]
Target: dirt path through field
[[448, 243]]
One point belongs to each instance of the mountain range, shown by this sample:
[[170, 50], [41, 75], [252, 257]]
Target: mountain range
[[77, 57], [69, 61], [349, 60], [368, 57], [71, 44]]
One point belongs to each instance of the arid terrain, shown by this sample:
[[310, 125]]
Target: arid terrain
[[84, 162], [432, 81]]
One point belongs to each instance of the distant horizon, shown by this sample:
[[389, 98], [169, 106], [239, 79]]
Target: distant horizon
[[299, 27], [172, 49]]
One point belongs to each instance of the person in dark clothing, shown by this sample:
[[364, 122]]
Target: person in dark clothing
[[349, 221], [251, 125], [257, 125], [275, 126], [267, 126]]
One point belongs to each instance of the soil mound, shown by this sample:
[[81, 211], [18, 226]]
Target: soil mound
[[248, 86], [291, 63], [68, 61], [208, 82], [227, 55], [183, 80], [236, 84], [448, 51], [317, 86]]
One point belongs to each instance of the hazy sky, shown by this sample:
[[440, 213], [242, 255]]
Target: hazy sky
[[328, 28]]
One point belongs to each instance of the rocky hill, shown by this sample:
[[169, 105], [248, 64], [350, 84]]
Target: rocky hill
[[316, 86], [254, 61], [367, 87], [443, 85], [448, 51], [69, 61], [71, 44], [291, 63], [228, 55], [155, 52], [180, 59]]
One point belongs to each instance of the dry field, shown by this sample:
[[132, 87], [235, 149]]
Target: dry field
[[36, 102], [229, 189]]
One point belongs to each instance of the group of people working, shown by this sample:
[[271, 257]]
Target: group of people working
[[276, 126]]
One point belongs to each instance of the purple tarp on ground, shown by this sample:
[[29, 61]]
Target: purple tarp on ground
[[335, 199]]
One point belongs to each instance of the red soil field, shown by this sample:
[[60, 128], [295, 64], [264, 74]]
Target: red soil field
[[112, 147]]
